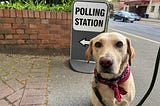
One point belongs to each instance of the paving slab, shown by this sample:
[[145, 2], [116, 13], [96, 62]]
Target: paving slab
[[24, 79]]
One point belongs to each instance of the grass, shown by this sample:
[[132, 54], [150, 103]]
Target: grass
[[37, 6]]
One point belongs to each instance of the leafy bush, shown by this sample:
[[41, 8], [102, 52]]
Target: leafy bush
[[65, 5]]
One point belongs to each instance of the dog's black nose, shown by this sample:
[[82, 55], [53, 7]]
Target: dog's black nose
[[106, 61]]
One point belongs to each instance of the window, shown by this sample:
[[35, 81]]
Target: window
[[152, 8], [125, 8]]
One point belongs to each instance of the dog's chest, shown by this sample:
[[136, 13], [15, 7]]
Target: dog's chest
[[108, 96]]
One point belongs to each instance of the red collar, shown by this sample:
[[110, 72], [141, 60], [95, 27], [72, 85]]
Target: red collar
[[114, 83]]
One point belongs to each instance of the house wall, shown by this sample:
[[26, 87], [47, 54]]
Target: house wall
[[156, 12]]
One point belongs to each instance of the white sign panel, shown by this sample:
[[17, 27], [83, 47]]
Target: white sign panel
[[89, 16]]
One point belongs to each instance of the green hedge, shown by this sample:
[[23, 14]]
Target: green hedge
[[65, 5]]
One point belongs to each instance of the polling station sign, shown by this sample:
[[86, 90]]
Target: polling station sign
[[89, 18]]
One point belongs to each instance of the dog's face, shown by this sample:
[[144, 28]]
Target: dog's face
[[111, 51]]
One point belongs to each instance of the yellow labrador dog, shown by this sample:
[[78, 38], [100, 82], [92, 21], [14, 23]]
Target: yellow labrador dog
[[113, 83]]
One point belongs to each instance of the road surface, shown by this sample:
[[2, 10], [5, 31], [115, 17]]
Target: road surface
[[139, 28]]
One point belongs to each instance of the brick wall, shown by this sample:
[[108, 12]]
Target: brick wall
[[34, 29]]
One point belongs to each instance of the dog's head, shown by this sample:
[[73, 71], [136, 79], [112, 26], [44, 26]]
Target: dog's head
[[111, 51]]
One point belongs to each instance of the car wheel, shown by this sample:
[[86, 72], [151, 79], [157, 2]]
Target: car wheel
[[132, 21], [123, 19], [114, 19]]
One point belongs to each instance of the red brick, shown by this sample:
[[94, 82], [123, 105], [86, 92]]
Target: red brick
[[45, 21], [33, 41], [42, 14], [12, 13], [64, 15], [6, 12], [25, 13], [33, 36], [30, 13], [54, 15], [26, 20], [2, 20], [66, 27], [19, 20], [20, 31], [6, 25], [59, 15], [8, 36], [55, 28], [36, 13], [4, 31], [53, 21], [1, 25], [58, 31], [32, 26], [21, 37], [1, 37], [45, 37], [48, 14], [9, 20], [31, 31], [69, 15], [7, 42], [44, 31], [33, 21], [12, 31], [19, 13], [20, 41], [1, 12], [20, 26], [45, 41], [43, 26]]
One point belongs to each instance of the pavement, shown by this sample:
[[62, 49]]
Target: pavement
[[24, 80], [32, 79], [150, 20]]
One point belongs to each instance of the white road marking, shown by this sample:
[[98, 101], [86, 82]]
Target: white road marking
[[135, 36]]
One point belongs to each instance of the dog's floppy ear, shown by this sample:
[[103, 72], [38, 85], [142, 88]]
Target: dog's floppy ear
[[130, 51], [89, 51]]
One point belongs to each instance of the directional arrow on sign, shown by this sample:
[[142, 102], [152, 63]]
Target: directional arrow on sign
[[84, 42]]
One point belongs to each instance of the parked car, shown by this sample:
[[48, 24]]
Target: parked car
[[136, 16], [123, 16]]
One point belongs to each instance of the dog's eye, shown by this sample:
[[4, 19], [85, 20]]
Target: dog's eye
[[98, 44], [119, 44]]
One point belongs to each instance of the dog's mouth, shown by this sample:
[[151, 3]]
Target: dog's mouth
[[108, 73], [107, 70]]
